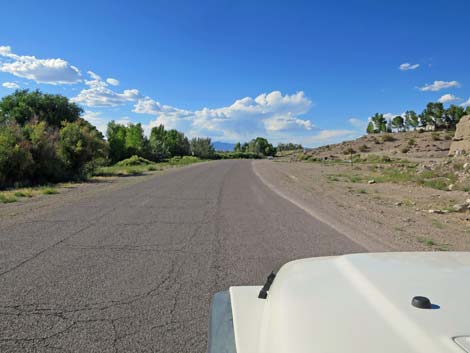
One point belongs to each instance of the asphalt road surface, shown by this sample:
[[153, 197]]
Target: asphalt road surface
[[134, 270]]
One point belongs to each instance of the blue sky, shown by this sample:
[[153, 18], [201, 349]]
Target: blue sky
[[301, 71]]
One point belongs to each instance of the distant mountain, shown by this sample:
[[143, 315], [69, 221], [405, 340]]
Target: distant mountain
[[223, 146]]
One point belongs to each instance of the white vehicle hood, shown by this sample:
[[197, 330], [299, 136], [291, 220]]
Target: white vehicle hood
[[358, 303]]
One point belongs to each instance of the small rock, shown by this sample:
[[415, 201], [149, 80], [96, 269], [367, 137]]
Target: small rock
[[372, 181], [466, 166], [398, 203], [460, 207], [451, 187], [435, 211], [467, 201]]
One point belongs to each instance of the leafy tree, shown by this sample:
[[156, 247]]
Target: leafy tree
[[176, 143], [135, 140], [467, 110], [80, 145], [158, 148], [370, 128], [15, 156], [116, 134], [24, 106], [44, 143], [380, 123], [288, 147], [453, 114], [398, 123], [237, 147], [202, 148], [434, 114], [411, 119]]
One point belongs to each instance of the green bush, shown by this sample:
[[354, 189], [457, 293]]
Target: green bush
[[388, 138], [133, 161]]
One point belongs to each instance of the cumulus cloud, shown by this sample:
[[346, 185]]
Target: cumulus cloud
[[408, 66], [447, 98], [50, 71], [100, 122], [112, 81], [10, 85], [329, 137], [466, 103], [99, 95], [439, 85], [272, 113], [358, 123]]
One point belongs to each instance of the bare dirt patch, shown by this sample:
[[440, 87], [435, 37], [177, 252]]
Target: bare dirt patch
[[380, 215]]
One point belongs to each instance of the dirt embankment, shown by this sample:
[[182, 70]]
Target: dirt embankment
[[381, 214]]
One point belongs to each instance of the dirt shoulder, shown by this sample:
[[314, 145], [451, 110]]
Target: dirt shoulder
[[379, 216]]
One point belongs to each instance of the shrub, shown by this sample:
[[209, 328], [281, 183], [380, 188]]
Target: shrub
[[387, 138], [5, 198], [15, 155], [411, 142], [80, 145], [435, 136], [133, 161], [363, 148], [405, 150]]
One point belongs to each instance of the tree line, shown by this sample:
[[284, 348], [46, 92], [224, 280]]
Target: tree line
[[434, 117], [43, 139]]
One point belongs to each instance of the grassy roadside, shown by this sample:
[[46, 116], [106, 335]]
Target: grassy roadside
[[133, 166]]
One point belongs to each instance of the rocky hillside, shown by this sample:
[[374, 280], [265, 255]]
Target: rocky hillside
[[412, 145]]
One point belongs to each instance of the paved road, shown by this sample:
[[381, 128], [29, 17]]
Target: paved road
[[134, 270]]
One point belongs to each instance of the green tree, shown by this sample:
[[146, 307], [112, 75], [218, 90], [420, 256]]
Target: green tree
[[434, 114], [80, 146], [380, 123], [176, 143], [116, 134], [135, 140], [15, 156], [398, 123], [237, 147], [453, 114], [158, 148], [24, 106], [411, 119], [202, 148], [370, 128], [44, 141]]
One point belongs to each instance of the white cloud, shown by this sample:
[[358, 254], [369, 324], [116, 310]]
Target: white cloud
[[10, 85], [466, 103], [439, 85], [408, 66], [101, 123], [446, 98], [99, 95], [50, 71], [328, 137], [358, 123], [112, 81], [270, 114]]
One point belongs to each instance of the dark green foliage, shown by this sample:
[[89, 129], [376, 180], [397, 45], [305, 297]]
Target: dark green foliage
[[15, 155], [24, 106], [133, 161], [176, 143], [202, 148], [80, 145], [259, 146], [237, 155], [288, 147], [158, 148], [434, 115]]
